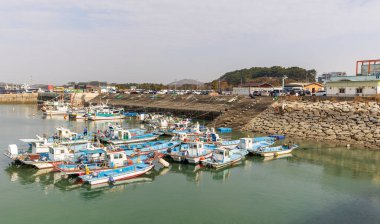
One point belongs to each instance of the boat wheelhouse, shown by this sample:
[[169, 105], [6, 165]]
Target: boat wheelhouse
[[192, 152], [223, 157]]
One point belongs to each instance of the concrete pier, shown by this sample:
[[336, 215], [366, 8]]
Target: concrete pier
[[18, 98]]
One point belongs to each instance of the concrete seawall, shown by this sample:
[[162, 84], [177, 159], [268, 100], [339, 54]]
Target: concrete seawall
[[348, 122], [18, 98], [194, 106], [77, 98]]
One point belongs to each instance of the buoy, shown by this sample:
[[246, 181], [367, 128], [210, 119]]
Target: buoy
[[348, 145], [87, 170], [163, 162]]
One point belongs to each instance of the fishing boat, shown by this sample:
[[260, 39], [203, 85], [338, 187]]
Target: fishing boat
[[116, 135], [85, 112], [79, 114], [193, 131], [107, 113], [192, 152], [55, 156], [63, 136], [254, 144], [207, 137], [58, 108], [223, 157], [161, 147], [276, 151], [118, 174], [90, 161], [47, 156]]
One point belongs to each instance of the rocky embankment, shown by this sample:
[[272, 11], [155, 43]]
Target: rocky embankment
[[241, 113], [348, 122]]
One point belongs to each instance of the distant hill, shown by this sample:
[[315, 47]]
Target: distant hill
[[185, 82], [269, 74]]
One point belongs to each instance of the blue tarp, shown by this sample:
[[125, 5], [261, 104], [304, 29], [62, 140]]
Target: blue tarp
[[87, 151]]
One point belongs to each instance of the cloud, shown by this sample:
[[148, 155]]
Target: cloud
[[151, 40]]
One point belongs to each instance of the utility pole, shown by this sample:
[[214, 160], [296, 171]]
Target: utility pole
[[283, 81]]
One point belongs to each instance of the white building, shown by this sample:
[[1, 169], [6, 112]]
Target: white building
[[350, 86], [248, 88]]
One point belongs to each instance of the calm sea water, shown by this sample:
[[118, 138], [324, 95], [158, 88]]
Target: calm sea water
[[320, 183]]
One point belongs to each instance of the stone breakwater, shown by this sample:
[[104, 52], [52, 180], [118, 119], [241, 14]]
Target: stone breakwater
[[18, 98], [348, 122]]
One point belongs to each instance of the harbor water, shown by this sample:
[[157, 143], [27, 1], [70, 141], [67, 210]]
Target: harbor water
[[318, 183]]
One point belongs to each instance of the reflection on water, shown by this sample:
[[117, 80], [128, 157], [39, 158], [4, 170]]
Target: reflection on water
[[357, 163], [318, 183], [337, 162]]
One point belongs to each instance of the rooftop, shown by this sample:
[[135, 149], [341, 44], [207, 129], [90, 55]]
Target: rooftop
[[355, 78], [252, 84]]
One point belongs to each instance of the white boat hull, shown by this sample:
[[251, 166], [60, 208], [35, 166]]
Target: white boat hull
[[268, 154], [190, 159], [118, 177], [39, 164], [100, 118], [221, 165], [52, 112], [176, 158], [196, 160]]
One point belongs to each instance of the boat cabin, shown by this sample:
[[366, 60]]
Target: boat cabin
[[180, 136], [221, 155], [39, 147], [124, 134], [196, 128], [116, 132], [163, 123], [212, 137], [246, 143], [64, 133], [59, 153], [36, 146], [116, 158], [92, 155], [196, 148]]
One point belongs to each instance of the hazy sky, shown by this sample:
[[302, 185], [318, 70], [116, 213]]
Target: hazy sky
[[56, 41]]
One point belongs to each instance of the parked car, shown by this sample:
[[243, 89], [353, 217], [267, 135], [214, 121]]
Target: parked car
[[256, 93], [299, 92], [320, 93], [265, 93], [277, 92]]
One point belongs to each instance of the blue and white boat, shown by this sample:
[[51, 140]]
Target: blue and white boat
[[223, 157], [192, 152], [253, 144], [117, 174], [161, 147], [276, 151], [56, 154], [116, 135], [107, 113]]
